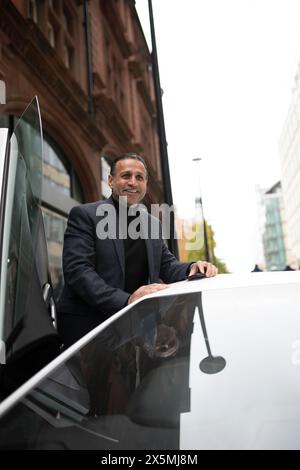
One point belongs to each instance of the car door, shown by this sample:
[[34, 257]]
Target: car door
[[28, 337]]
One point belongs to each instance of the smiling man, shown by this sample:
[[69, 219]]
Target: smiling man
[[104, 273], [128, 177]]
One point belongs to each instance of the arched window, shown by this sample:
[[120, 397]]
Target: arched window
[[105, 171], [54, 170], [60, 192], [59, 174]]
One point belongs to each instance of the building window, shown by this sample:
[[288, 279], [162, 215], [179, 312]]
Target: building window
[[54, 170], [66, 57], [51, 35], [55, 225], [105, 171], [59, 173], [114, 74], [57, 20], [61, 189], [67, 22], [33, 11]]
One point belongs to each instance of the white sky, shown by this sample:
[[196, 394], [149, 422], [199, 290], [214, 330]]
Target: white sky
[[227, 69]]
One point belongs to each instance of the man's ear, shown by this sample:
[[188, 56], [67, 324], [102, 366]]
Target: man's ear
[[110, 180]]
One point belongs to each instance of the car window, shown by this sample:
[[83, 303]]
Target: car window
[[24, 320], [23, 194], [126, 388]]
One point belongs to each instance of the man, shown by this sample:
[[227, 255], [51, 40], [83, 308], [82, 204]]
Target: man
[[104, 271]]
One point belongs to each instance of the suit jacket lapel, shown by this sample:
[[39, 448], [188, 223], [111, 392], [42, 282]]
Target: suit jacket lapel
[[118, 244], [145, 229]]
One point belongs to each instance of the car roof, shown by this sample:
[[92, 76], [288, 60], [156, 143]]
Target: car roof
[[218, 283], [230, 281], [253, 402]]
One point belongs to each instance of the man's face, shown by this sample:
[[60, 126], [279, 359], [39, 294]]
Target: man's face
[[130, 180]]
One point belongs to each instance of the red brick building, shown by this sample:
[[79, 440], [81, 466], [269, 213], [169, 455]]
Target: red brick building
[[89, 65]]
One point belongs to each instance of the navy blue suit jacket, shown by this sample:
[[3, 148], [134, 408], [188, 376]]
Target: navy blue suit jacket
[[94, 269]]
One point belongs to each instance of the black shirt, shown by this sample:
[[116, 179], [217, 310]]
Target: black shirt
[[136, 261]]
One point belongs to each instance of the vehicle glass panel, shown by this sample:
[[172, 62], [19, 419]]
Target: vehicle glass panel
[[3, 144], [139, 383], [24, 318], [126, 388]]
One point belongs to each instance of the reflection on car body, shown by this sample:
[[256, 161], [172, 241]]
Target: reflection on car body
[[120, 386], [115, 390]]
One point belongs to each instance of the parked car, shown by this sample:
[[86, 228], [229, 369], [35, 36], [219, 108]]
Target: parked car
[[204, 364]]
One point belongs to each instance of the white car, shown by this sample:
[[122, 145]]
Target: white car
[[205, 364]]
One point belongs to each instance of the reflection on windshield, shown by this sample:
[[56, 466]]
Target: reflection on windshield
[[210, 364], [25, 324], [129, 352], [125, 389]]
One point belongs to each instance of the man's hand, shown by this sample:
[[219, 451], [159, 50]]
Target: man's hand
[[145, 290], [204, 267]]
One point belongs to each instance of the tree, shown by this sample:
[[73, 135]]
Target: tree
[[193, 255]]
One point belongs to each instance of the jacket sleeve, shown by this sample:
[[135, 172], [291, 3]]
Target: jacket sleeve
[[79, 265], [171, 270]]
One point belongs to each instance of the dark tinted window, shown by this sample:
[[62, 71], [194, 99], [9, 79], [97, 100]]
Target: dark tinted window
[[25, 323], [125, 389]]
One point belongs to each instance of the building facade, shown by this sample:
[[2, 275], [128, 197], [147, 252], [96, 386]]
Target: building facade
[[276, 244], [89, 65], [290, 164], [259, 256], [273, 238]]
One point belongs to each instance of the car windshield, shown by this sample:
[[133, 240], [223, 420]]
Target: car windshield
[[126, 388], [216, 369]]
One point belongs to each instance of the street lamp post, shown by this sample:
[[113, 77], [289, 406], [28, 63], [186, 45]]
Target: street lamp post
[[162, 135], [205, 235]]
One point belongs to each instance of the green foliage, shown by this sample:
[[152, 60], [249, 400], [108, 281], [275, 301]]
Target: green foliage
[[193, 255]]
